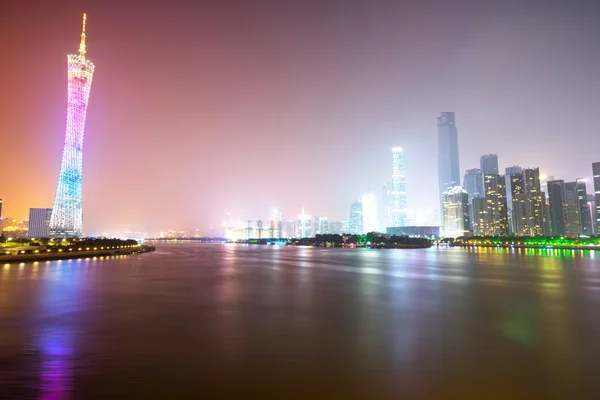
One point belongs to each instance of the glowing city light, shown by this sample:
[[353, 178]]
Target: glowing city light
[[66, 219], [399, 209]]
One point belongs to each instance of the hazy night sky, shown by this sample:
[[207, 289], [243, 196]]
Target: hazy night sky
[[198, 108]]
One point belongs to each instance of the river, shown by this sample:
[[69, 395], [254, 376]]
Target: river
[[234, 321]]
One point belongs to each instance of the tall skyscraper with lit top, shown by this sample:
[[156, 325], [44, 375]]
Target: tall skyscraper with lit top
[[398, 209], [66, 220]]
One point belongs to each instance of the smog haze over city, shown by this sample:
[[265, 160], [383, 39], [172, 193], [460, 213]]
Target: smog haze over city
[[200, 108]]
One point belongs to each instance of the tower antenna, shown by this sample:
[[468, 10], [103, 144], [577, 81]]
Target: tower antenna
[[82, 44]]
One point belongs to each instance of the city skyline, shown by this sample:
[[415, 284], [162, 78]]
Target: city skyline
[[136, 131]]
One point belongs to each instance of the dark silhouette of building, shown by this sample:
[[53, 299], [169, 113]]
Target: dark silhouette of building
[[585, 214], [556, 201], [488, 164]]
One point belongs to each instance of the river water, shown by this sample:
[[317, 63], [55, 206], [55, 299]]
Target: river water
[[238, 322]]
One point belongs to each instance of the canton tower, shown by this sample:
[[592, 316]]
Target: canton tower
[[66, 216]]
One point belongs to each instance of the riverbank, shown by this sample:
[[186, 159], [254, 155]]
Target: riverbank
[[527, 246], [30, 255]]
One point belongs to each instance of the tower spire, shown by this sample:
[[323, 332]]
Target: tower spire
[[82, 44]]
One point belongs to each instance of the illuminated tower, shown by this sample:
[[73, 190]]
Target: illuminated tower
[[398, 212], [67, 214]]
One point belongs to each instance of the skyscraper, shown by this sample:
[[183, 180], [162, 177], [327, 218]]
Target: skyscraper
[[556, 200], [510, 171], [527, 203], [596, 173], [355, 222], [573, 226], [305, 225], [369, 213], [479, 215], [496, 223], [591, 200], [398, 209], [66, 220], [39, 220], [585, 214], [324, 225], [456, 212], [448, 166], [488, 163]]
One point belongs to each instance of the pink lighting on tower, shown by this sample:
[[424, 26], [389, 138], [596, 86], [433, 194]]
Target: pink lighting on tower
[[66, 220]]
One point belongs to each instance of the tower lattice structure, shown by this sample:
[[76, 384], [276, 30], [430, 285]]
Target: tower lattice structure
[[67, 215], [398, 210]]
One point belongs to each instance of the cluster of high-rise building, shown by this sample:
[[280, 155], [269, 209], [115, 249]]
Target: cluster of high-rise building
[[372, 214], [276, 227], [514, 203]]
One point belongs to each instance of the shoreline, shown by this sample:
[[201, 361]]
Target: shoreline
[[527, 246], [19, 258]]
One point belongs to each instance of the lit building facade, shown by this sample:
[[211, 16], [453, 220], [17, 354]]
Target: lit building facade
[[355, 222], [448, 165], [398, 210], [496, 222], [510, 171], [573, 222], [527, 211], [414, 231], [479, 215], [39, 220], [67, 214], [456, 212], [596, 174], [304, 226], [323, 224], [369, 213]]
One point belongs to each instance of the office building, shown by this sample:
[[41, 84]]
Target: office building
[[398, 196], [448, 165], [456, 212], [573, 222], [557, 206], [596, 173], [488, 164], [39, 221], [355, 222], [585, 214], [369, 213], [67, 214]]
